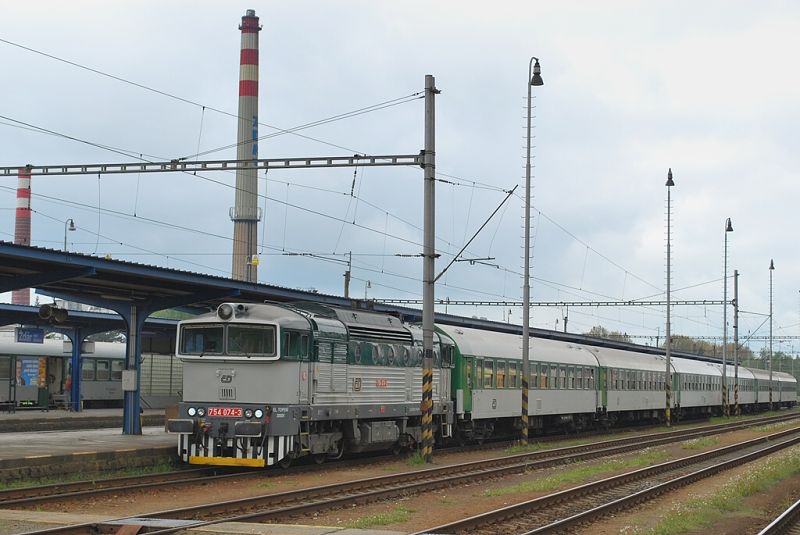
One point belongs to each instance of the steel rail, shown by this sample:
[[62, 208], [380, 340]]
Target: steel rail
[[497, 521], [787, 522], [292, 503]]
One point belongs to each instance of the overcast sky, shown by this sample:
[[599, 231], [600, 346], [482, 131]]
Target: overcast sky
[[631, 89]]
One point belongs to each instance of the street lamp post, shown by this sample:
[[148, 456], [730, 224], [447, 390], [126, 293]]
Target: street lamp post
[[534, 79], [668, 343], [771, 269], [725, 408], [737, 410], [69, 224]]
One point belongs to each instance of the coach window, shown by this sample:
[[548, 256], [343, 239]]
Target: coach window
[[116, 370], [553, 377], [512, 375], [590, 378], [87, 370], [571, 373], [103, 372], [579, 374], [501, 374], [479, 373], [488, 373], [448, 353]]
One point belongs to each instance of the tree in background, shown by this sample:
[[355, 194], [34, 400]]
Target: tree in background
[[599, 331]]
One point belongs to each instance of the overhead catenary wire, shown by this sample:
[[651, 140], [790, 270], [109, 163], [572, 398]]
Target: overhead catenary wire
[[473, 185]]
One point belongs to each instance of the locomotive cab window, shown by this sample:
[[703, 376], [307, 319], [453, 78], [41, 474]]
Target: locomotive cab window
[[202, 339], [256, 340]]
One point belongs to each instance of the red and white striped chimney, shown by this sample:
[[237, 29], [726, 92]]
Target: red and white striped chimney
[[245, 214], [22, 227]]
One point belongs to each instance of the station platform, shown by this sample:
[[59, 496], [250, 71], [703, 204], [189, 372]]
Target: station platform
[[64, 450], [58, 444], [24, 420]]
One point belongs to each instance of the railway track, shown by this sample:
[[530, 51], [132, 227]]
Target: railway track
[[38, 495], [587, 503], [286, 505], [787, 523]]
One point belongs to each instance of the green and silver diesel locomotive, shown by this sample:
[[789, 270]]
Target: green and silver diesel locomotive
[[267, 383]]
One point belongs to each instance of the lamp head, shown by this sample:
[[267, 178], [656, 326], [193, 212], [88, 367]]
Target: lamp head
[[728, 225], [536, 79], [71, 224], [771, 265], [670, 183]]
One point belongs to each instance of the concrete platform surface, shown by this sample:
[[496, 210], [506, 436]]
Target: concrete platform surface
[[52, 443], [19, 521], [39, 420]]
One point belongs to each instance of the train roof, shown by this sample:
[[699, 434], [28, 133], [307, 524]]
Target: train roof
[[257, 312], [55, 348], [617, 358], [697, 367], [479, 343], [730, 371]]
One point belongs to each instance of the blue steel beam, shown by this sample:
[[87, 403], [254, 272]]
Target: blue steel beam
[[34, 279]]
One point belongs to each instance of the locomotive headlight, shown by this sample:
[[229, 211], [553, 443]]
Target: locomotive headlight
[[248, 413], [201, 412], [259, 413], [225, 311], [192, 411]]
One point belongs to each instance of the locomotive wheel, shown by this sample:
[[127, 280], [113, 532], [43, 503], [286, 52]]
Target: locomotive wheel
[[320, 458], [285, 463]]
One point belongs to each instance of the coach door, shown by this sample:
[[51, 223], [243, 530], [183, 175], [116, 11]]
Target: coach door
[[602, 387]]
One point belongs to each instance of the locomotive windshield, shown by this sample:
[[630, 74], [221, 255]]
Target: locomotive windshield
[[201, 339], [245, 340], [257, 340]]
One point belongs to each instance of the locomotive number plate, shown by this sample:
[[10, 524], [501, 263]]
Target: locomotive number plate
[[229, 412]]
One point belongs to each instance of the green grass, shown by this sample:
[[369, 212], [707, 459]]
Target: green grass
[[401, 514], [86, 476], [416, 459], [537, 446], [700, 514], [774, 428], [579, 474], [699, 443]]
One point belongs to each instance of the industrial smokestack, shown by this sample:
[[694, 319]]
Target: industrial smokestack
[[22, 226], [245, 214]]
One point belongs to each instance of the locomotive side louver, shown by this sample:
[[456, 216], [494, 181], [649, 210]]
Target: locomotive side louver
[[361, 332], [227, 393]]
